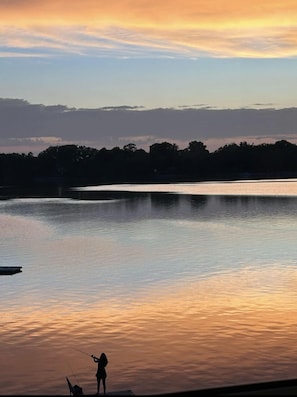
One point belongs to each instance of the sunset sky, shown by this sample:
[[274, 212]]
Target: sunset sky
[[144, 55]]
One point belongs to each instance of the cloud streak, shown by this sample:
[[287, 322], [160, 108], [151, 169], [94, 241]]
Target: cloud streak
[[34, 127], [179, 28]]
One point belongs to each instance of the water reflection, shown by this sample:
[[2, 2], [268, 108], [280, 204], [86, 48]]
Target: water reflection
[[163, 283], [170, 201], [222, 329], [273, 188], [148, 206]]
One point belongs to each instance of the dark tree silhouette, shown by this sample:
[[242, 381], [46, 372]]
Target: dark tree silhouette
[[163, 158], [73, 164], [194, 160]]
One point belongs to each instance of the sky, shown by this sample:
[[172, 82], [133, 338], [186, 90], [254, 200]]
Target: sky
[[107, 73]]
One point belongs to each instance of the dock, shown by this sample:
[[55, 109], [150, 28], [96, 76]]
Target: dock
[[10, 270], [287, 387]]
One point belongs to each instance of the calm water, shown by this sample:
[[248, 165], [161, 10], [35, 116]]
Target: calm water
[[181, 291]]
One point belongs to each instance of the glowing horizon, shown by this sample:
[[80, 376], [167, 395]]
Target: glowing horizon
[[150, 55]]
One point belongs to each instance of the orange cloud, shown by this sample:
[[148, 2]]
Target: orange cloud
[[188, 27], [141, 12]]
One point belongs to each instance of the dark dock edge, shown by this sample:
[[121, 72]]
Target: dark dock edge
[[287, 387]]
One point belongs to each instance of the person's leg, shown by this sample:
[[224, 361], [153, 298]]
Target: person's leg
[[98, 385], [104, 385]]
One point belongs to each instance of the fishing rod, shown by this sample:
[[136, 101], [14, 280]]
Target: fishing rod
[[81, 351], [72, 371], [87, 354]]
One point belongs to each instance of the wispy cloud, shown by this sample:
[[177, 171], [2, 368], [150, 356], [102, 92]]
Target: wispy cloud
[[179, 28]]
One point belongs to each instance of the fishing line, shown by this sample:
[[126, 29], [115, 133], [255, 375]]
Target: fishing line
[[81, 351], [71, 370]]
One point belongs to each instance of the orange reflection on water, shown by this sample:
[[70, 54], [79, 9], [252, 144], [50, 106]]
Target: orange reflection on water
[[224, 329], [276, 187]]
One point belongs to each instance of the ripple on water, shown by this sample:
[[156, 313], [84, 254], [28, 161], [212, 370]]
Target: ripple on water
[[202, 302]]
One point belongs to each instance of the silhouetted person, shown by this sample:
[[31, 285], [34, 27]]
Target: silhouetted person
[[101, 372]]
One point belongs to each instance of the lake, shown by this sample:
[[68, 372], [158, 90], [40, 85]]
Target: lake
[[183, 286]]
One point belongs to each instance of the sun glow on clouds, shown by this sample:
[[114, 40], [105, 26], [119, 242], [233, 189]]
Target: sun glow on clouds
[[136, 27]]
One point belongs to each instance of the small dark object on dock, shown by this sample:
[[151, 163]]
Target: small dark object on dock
[[74, 390]]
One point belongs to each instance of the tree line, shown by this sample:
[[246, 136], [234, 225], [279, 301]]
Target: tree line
[[73, 164]]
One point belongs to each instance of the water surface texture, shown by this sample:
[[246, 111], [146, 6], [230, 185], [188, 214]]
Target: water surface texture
[[182, 291]]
